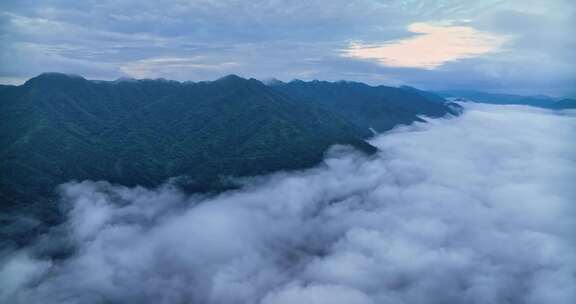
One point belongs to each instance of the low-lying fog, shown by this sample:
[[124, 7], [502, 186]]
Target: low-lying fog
[[474, 209]]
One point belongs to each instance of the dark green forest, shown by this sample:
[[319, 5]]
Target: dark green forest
[[57, 128]]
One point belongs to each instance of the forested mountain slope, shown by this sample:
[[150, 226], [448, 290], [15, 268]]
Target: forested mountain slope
[[368, 107], [56, 128]]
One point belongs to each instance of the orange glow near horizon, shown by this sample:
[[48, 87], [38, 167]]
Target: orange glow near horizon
[[434, 46]]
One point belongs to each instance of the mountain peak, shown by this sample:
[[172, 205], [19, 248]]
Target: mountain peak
[[125, 79], [231, 77], [57, 75], [272, 82], [54, 77], [233, 80]]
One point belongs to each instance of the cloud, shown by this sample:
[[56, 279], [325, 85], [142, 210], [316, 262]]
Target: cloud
[[434, 46], [172, 67], [290, 39], [320, 294], [472, 209]]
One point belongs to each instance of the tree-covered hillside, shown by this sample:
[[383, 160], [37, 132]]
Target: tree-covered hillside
[[368, 107], [56, 128]]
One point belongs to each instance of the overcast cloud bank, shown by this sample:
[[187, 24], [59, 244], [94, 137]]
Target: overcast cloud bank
[[486, 45], [473, 209]]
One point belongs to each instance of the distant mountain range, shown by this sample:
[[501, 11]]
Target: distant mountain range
[[57, 128], [540, 101]]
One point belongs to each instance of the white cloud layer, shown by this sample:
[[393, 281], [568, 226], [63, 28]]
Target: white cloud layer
[[473, 209]]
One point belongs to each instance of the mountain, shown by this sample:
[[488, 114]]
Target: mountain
[[4, 87], [540, 101], [428, 95], [566, 103], [378, 108], [56, 128]]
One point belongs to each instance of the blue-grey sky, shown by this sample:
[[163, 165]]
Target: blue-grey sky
[[517, 46]]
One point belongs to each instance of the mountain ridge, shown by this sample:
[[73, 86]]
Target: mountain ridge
[[380, 108], [541, 101], [57, 127]]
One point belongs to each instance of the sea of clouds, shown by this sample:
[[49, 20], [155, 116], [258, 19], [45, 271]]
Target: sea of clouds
[[474, 209]]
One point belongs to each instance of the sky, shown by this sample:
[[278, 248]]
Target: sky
[[515, 46], [487, 218]]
